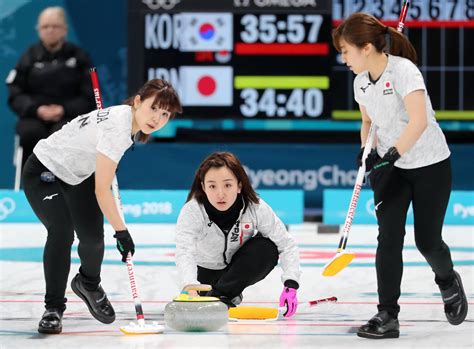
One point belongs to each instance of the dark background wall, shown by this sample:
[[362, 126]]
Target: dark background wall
[[301, 150]]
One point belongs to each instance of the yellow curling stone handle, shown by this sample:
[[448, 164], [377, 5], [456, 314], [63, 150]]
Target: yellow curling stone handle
[[184, 296]]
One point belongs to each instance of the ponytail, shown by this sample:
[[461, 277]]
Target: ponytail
[[361, 29], [399, 45]]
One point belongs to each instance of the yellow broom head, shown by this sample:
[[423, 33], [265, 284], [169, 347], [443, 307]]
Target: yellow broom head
[[253, 313], [339, 262]]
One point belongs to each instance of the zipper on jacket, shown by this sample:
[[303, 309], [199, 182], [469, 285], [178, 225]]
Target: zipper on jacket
[[226, 235], [234, 227], [225, 247]]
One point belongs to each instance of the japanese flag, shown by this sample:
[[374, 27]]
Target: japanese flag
[[204, 31], [206, 86]]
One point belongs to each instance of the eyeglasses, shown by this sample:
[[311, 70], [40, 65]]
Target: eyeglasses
[[50, 26]]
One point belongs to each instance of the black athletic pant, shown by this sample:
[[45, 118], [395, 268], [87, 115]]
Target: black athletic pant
[[250, 264], [63, 209], [428, 189]]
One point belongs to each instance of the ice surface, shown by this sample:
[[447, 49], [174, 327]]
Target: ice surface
[[422, 320]]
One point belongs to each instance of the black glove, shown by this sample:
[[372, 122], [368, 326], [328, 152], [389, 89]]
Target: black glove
[[381, 170], [372, 158], [124, 243]]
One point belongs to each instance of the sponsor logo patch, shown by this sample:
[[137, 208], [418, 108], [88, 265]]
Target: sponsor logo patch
[[364, 88]]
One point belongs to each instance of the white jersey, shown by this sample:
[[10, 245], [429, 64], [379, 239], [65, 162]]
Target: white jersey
[[70, 153], [385, 107], [201, 242]]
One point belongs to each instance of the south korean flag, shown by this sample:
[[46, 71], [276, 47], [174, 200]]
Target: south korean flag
[[206, 32]]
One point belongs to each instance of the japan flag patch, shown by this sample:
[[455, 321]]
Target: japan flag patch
[[247, 228], [388, 88], [247, 232]]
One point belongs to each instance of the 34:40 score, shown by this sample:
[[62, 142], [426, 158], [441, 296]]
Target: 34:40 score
[[299, 102]]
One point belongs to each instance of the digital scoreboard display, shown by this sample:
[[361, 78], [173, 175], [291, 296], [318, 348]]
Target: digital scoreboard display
[[442, 33], [419, 10], [273, 59], [238, 59]]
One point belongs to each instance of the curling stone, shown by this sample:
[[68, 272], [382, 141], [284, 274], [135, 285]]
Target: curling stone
[[196, 314]]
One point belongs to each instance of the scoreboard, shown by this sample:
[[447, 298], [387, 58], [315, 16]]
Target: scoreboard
[[441, 32], [272, 60], [238, 59], [419, 10]]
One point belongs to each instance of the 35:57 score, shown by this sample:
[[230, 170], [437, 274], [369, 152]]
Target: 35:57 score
[[282, 103], [270, 29]]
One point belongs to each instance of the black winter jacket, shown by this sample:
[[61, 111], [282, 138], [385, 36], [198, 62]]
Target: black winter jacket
[[41, 77]]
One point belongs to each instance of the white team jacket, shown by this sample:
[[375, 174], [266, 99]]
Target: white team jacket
[[201, 242]]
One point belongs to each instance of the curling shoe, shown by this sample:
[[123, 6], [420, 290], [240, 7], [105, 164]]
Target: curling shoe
[[382, 325], [51, 322], [227, 301], [97, 302], [237, 300], [231, 303], [455, 301]]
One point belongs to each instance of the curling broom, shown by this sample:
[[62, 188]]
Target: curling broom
[[133, 328], [343, 257]]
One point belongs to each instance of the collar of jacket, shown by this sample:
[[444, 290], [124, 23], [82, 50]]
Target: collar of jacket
[[224, 219]]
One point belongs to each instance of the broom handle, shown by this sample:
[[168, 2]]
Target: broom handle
[[311, 304], [131, 274], [356, 192], [332, 299], [403, 16]]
